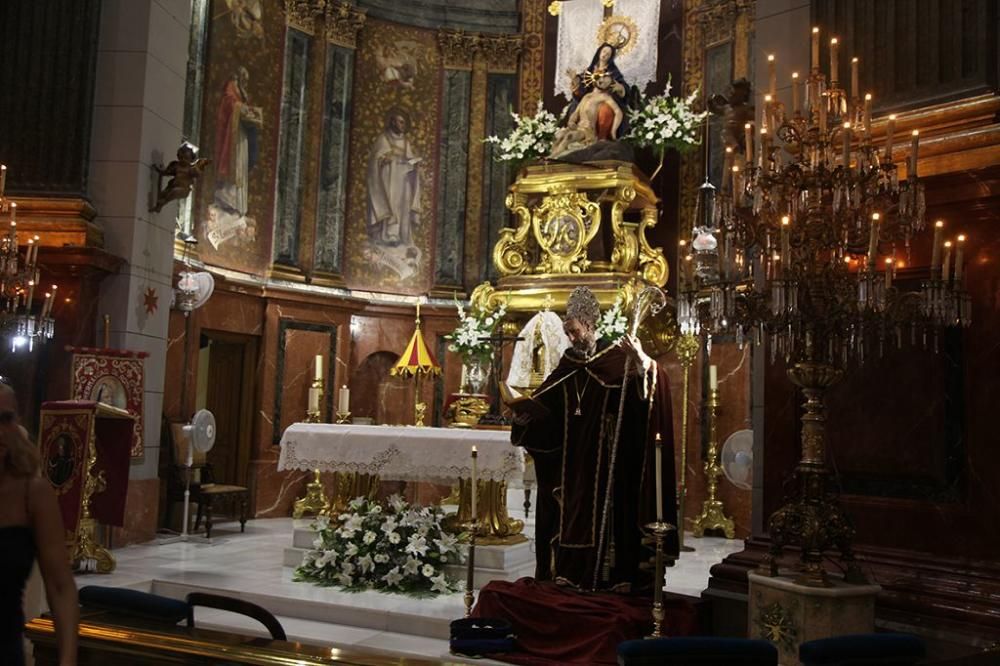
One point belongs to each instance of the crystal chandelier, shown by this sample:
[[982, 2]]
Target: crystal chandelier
[[19, 281], [798, 250]]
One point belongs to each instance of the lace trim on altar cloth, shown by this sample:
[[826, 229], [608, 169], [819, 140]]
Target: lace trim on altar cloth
[[391, 464], [577, 41]]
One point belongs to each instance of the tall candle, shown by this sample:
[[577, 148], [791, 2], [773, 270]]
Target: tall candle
[[765, 113], [795, 92], [786, 247], [822, 112], [46, 304], [888, 273], [947, 261], [765, 147], [748, 138], [48, 310], [474, 487], [344, 400], [854, 78], [3, 178], [815, 49], [31, 294], [913, 151], [890, 128], [846, 147], [659, 479], [936, 247], [868, 114], [713, 377], [834, 65], [959, 247], [13, 211], [772, 75], [28, 253], [314, 397], [318, 374], [689, 268], [873, 240]]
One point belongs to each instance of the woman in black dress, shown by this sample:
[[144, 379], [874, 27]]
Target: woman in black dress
[[30, 526]]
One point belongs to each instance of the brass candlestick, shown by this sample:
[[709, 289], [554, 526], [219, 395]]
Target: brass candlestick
[[470, 596], [314, 501], [659, 530], [712, 513], [343, 418], [315, 389], [687, 350]]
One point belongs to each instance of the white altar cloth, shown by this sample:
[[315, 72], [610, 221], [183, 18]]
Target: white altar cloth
[[401, 453]]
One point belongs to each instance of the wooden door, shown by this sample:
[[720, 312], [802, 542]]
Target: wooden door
[[228, 397]]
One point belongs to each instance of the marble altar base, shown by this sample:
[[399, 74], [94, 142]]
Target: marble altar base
[[789, 614], [492, 562]]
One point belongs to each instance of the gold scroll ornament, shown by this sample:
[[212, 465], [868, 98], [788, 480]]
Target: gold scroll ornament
[[494, 526]]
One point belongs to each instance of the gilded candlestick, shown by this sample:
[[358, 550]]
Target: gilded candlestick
[[687, 350], [659, 531], [470, 595], [343, 418], [712, 513]]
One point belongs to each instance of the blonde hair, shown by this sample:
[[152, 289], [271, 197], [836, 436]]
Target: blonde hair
[[22, 459]]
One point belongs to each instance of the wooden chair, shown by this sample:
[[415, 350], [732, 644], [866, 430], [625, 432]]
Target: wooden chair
[[204, 490]]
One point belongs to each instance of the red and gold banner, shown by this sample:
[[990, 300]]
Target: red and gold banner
[[114, 377]]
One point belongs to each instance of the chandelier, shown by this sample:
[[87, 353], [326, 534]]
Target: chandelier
[[20, 320], [798, 249]]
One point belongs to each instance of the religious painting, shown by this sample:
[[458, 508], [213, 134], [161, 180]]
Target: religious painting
[[239, 124], [113, 377], [63, 446], [391, 182]]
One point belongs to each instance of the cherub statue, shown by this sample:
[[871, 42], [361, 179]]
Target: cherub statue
[[183, 172], [736, 110]]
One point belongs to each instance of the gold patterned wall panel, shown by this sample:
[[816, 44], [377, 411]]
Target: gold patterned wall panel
[[393, 158], [533, 53], [710, 24]]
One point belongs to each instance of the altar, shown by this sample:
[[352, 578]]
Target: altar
[[432, 455]]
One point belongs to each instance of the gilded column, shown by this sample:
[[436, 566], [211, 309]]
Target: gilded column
[[474, 180]]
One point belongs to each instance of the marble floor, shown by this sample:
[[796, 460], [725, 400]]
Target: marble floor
[[250, 566]]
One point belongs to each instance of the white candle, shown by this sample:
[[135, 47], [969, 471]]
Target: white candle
[[48, 310], [947, 261], [834, 65], [959, 246], [748, 138], [713, 377], [854, 78], [473, 490], [873, 240], [846, 148], [772, 75], [659, 478], [815, 48], [344, 400], [795, 92], [786, 247], [888, 273], [31, 294], [314, 398], [913, 151], [319, 367], [3, 178], [889, 129], [868, 114], [936, 247], [13, 211]]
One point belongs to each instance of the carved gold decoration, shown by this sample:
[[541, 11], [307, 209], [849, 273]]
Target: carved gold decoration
[[776, 625], [458, 48], [652, 264], [342, 22], [532, 54], [564, 224], [501, 51], [713, 516], [87, 549], [510, 254], [314, 502], [626, 249], [302, 14], [494, 525], [349, 485], [466, 411]]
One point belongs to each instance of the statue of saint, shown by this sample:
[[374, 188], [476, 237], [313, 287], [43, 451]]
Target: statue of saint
[[601, 65], [582, 128]]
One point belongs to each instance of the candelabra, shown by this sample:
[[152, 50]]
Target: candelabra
[[788, 254], [713, 515], [19, 278]]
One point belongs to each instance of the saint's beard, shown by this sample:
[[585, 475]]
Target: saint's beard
[[583, 347]]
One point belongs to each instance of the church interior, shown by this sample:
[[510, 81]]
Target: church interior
[[437, 331]]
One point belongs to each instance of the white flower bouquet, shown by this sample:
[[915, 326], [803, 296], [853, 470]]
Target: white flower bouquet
[[531, 137], [473, 326], [666, 122], [396, 548], [612, 323]]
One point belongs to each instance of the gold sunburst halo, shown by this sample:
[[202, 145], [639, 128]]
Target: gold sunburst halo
[[619, 31]]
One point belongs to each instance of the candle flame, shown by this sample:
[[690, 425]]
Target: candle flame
[[736, 168], [947, 243], [916, 132], [900, 264], [770, 57], [815, 30], [795, 75], [868, 97], [833, 41], [892, 116], [474, 450], [939, 224], [847, 125], [767, 98], [785, 220], [747, 126], [888, 261], [854, 59], [689, 257], [961, 238], [729, 149], [876, 216], [682, 242], [847, 259]]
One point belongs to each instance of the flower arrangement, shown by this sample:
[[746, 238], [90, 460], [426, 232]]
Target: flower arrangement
[[666, 122], [531, 137], [473, 326], [398, 548], [612, 323]]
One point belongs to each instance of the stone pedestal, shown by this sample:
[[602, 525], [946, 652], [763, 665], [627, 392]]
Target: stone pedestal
[[788, 614]]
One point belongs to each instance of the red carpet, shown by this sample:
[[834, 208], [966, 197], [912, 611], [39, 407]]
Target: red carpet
[[556, 625]]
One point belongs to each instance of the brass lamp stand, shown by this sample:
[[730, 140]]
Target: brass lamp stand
[[314, 502], [659, 531], [712, 513], [687, 350]]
